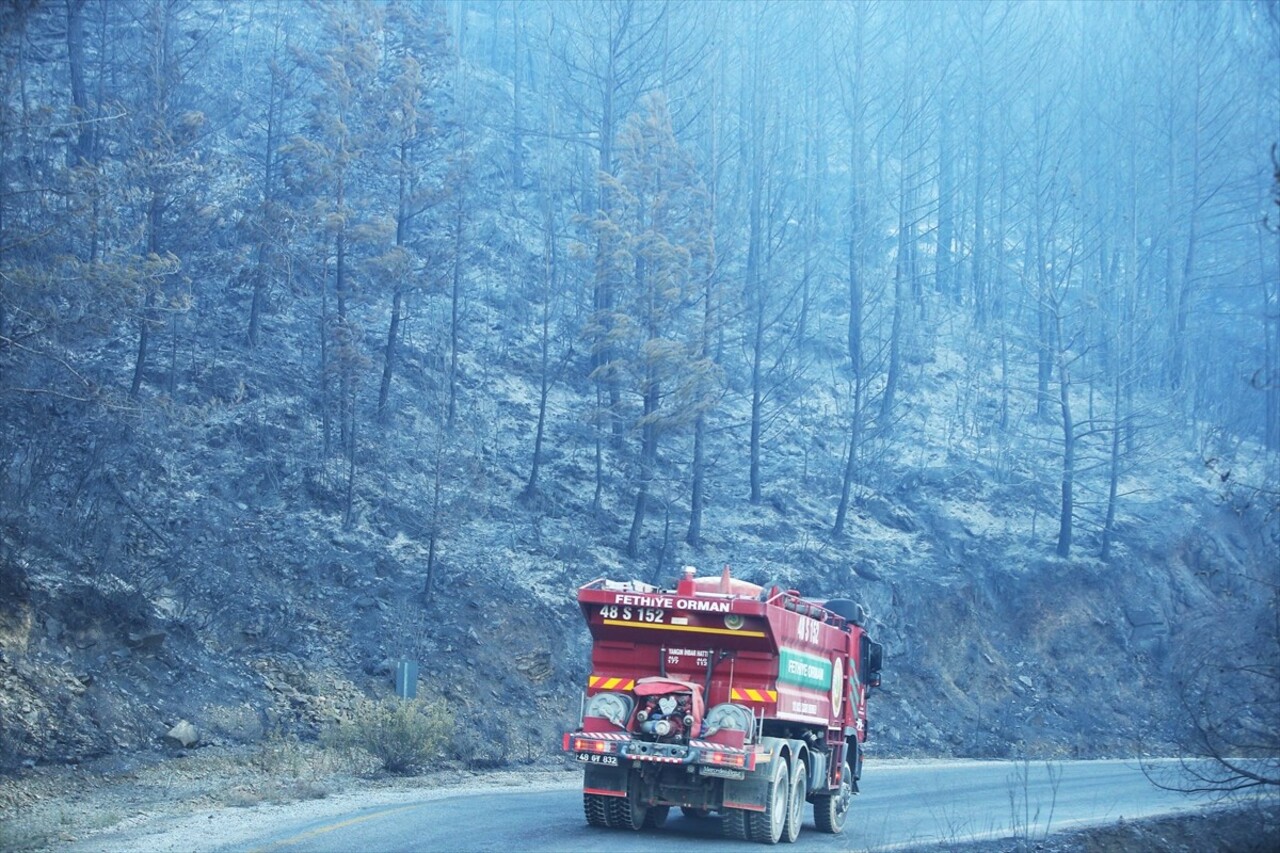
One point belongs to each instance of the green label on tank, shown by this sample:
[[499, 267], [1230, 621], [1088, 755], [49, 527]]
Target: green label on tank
[[806, 670]]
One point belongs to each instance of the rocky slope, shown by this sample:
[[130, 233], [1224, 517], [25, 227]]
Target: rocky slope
[[236, 598], [191, 556]]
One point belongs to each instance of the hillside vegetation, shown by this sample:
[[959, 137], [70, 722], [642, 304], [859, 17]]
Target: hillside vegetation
[[338, 334]]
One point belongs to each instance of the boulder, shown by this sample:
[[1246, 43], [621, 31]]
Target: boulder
[[182, 735]]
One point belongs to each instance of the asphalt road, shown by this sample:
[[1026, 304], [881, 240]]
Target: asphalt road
[[902, 806]]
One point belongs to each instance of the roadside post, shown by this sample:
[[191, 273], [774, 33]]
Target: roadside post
[[407, 679]]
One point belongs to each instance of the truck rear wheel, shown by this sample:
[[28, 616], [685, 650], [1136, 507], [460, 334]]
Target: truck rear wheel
[[795, 802], [596, 808], [626, 813], [656, 816], [766, 827], [734, 825], [629, 812], [830, 810]]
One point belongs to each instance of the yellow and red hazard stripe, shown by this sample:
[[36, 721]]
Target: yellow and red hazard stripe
[[605, 682], [746, 694]]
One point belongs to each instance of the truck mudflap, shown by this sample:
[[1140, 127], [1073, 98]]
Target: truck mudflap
[[751, 792], [605, 781]]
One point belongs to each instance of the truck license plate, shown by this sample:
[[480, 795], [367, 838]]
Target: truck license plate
[[592, 758]]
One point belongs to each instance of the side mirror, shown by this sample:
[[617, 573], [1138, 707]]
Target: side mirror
[[875, 661]]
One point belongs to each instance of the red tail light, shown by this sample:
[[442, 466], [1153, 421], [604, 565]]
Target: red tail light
[[728, 759], [582, 744]]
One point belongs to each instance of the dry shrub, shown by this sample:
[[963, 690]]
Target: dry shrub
[[280, 754], [402, 735]]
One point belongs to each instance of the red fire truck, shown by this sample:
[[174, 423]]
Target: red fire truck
[[725, 696]]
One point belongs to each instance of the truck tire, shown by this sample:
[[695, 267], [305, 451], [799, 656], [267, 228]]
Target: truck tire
[[596, 808], [628, 812], [656, 816], [795, 802], [830, 810], [734, 825], [766, 827]]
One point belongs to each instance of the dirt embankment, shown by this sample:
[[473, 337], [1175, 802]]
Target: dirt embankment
[[148, 802]]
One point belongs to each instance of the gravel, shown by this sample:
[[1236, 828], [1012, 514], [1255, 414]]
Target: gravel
[[214, 797]]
